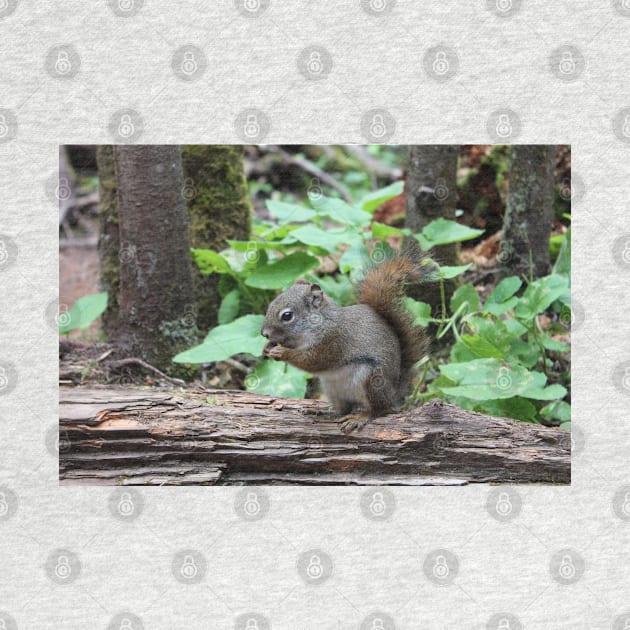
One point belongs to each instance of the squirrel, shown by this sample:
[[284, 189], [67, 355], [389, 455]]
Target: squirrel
[[363, 354]]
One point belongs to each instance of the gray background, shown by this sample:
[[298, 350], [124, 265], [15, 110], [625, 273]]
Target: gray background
[[555, 557]]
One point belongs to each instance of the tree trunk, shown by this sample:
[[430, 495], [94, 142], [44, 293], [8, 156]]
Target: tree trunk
[[431, 192], [156, 318], [529, 211], [139, 436], [219, 208], [109, 237]]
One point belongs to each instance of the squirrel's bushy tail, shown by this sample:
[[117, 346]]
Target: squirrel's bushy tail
[[382, 288]]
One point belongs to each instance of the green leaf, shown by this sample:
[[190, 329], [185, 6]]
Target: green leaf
[[421, 311], [517, 408], [551, 344], [210, 261], [501, 299], [491, 379], [340, 289], [289, 212], [481, 347], [83, 312], [276, 378], [282, 273], [382, 231], [442, 232], [465, 295], [558, 410], [373, 200], [229, 307], [447, 272], [326, 239], [354, 257], [563, 262], [540, 294], [341, 212], [240, 336]]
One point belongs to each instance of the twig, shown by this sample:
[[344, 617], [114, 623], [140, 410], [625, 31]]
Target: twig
[[372, 164], [310, 168], [146, 366]]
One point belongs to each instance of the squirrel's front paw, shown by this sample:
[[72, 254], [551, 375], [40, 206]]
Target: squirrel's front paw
[[276, 352]]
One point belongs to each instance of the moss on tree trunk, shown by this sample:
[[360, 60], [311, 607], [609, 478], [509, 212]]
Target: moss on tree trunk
[[109, 238], [219, 209], [529, 212]]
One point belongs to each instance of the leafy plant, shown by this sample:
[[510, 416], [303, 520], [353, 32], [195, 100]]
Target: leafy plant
[[252, 272], [82, 313], [500, 363]]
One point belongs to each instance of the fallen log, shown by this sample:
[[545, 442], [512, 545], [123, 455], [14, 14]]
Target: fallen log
[[143, 436]]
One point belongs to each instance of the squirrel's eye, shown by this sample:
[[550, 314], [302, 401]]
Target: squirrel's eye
[[286, 316]]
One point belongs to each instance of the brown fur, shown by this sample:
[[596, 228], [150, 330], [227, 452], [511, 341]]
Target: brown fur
[[382, 289]]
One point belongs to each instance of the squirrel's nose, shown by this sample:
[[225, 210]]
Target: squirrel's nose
[[265, 333]]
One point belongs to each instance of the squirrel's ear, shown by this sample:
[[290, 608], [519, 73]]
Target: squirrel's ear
[[302, 281], [317, 295]]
